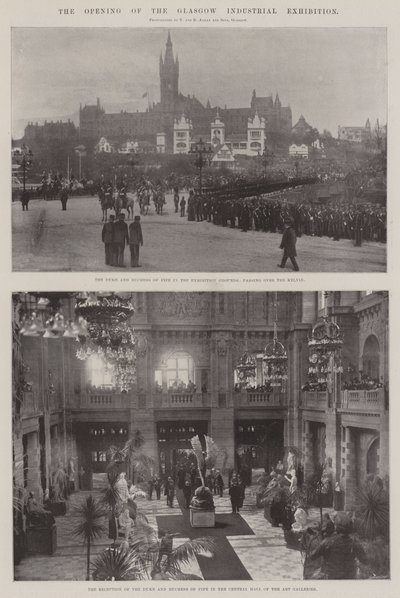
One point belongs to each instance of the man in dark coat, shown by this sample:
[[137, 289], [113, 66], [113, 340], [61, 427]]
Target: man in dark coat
[[107, 236], [25, 197], [235, 493], [64, 198], [187, 493], [121, 237], [183, 205], [135, 241], [288, 244]]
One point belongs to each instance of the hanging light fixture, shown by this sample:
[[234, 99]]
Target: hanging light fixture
[[245, 370], [245, 373], [101, 328], [324, 347], [274, 357], [103, 322]]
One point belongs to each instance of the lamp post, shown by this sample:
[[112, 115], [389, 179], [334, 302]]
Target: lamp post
[[203, 152], [26, 161], [266, 158], [132, 165]]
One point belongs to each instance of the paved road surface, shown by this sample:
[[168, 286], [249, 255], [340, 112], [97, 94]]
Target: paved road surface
[[47, 239]]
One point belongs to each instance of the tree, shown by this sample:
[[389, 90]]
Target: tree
[[90, 526], [111, 499]]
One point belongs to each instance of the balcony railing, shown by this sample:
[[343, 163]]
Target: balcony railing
[[315, 400], [30, 405], [104, 401], [364, 400], [262, 399], [182, 400]]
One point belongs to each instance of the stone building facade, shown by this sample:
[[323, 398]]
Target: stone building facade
[[94, 122], [63, 408]]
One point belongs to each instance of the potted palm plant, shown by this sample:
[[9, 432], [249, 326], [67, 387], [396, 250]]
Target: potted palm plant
[[149, 557], [91, 525], [202, 508]]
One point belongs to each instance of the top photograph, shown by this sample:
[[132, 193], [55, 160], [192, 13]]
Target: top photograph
[[199, 149]]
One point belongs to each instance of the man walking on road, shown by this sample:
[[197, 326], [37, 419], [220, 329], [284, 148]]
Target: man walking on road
[[288, 244], [135, 241], [64, 198], [121, 237], [107, 236], [183, 205]]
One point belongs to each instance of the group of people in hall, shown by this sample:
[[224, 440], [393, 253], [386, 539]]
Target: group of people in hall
[[116, 235]]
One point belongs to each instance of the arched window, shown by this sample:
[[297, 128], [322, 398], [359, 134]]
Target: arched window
[[180, 369], [98, 374], [371, 357]]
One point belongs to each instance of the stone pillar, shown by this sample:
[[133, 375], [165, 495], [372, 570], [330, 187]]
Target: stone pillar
[[310, 307], [145, 424], [349, 481], [383, 466], [33, 450], [332, 443], [307, 449]]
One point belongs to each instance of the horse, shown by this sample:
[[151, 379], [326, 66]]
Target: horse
[[129, 204], [105, 198], [118, 203], [159, 201]]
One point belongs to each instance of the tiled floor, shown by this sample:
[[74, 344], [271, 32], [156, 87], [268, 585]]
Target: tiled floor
[[264, 555]]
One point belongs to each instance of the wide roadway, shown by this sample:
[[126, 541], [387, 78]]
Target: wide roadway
[[48, 239]]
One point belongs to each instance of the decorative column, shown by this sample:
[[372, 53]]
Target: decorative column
[[33, 450], [349, 481], [307, 449]]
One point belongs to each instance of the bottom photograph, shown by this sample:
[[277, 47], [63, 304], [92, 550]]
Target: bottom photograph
[[200, 436]]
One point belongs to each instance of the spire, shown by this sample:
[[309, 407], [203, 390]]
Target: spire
[[169, 56], [277, 100], [208, 104]]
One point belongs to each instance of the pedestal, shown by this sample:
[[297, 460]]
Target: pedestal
[[201, 518], [41, 540], [57, 508]]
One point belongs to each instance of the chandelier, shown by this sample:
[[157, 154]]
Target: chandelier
[[274, 357], [101, 328], [104, 330], [324, 347], [245, 370]]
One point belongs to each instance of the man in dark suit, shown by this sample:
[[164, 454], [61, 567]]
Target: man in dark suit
[[121, 237], [107, 236], [288, 244], [64, 198], [135, 241]]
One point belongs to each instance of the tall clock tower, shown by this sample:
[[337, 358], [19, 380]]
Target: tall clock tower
[[169, 77]]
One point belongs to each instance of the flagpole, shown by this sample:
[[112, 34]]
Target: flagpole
[[68, 169]]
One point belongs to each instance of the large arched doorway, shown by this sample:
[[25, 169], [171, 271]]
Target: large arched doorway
[[371, 357], [373, 457]]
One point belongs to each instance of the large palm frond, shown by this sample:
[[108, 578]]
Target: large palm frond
[[142, 464], [111, 496], [116, 564], [174, 572], [91, 525], [188, 551], [372, 510]]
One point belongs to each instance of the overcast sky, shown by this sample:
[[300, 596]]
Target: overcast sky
[[332, 76]]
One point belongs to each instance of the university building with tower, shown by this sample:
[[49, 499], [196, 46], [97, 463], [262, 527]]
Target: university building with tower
[[160, 118]]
